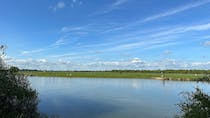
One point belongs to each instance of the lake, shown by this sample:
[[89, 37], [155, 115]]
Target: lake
[[111, 98]]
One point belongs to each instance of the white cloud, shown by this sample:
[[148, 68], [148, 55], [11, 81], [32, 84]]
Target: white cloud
[[182, 29], [148, 39], [132, 64], [76, 2], [59, 5], [200, 27], [119, 2], [32, 51], [63, 55], [205, 37], [42, 60], [80, 2], [82, 28], [167, 52], [167, 44], [201, 65], [164, 14], [177, 10], [69, 29], [59, 42], [144, 43], [136, 60], [115, 5], [206, 43]]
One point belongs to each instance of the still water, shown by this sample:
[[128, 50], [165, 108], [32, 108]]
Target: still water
[[111, 98]]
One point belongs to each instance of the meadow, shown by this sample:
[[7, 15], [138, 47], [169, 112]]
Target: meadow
[[120, 74]]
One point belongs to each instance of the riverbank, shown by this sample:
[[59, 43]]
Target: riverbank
[[110, 74]]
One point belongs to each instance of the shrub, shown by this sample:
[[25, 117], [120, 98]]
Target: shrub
[[17, 98], [196, 105]]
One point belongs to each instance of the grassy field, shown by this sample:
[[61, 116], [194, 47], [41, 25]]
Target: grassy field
[[100, 74]]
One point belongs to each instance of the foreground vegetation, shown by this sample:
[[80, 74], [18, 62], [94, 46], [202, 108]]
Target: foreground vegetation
[[190, 75], [196, 105], [17, 98]]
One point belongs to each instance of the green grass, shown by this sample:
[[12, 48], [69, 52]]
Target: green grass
[[101, 74]]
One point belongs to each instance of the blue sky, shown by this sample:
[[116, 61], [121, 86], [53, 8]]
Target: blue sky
[[106, 34]]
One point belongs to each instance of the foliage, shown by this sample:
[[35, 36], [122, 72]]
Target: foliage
[[17, 98], [204, 78], [196, 105], [14, 70], [168, 71]]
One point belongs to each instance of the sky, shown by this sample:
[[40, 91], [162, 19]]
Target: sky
[[106, 34]]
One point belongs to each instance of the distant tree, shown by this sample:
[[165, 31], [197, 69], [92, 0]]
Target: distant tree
[[196, 105], [14, 70]]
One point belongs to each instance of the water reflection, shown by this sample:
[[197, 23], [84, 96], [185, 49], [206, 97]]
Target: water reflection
[[110, 98], [75, 107]]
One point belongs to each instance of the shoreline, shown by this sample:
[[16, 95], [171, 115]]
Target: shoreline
[[152, 78]]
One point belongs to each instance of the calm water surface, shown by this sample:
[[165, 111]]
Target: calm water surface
[[110, 98]]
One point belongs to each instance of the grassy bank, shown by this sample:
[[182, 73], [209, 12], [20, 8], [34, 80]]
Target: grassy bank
[[111, 74]]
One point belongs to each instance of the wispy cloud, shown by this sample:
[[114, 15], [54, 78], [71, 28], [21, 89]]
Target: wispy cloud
[[156, 46], [57, 43], [131, 64], [182, 29], [69, 29], [154, 38], [176, 10], [163, 14], [167, 52], [144, 39], [59, 5], [32, 51], [145, 44], [76, 2], [115, 5], [200, 27], [81, 29], [64, 55], [206, 43], [205, 37], [118, 3]]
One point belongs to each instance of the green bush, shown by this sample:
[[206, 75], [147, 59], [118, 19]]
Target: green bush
[[205, 78], [17, 98], [196, 105]]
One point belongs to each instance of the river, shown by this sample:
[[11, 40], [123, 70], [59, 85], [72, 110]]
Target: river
[[111, 98]]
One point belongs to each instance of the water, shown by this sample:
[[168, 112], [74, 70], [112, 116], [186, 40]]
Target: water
[[111, 98]]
